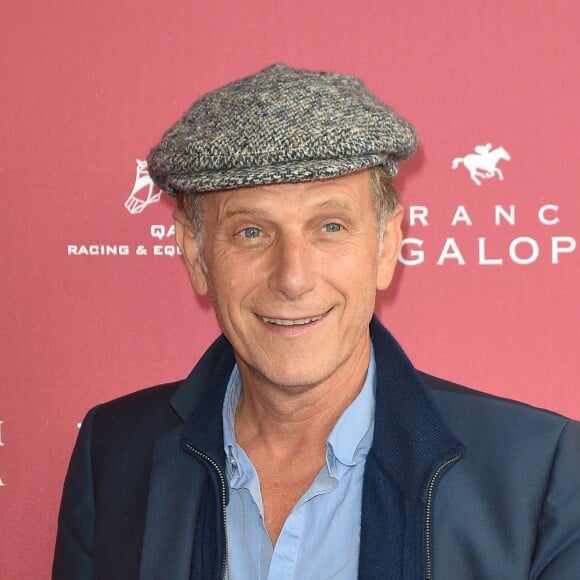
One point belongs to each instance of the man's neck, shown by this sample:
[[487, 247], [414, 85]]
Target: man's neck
[[285, 420]]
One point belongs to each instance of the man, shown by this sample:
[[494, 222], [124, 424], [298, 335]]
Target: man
[[304, 444]]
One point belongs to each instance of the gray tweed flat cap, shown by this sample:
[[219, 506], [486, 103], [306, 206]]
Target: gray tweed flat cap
[[279, 125]]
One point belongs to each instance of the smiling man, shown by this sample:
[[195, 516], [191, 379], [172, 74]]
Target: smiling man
[[304, 444]]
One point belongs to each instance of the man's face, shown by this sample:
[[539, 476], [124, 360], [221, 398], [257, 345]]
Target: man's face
[[292, 271]]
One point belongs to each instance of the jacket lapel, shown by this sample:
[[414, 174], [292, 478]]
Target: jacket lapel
[[172, 510], [177, 479]]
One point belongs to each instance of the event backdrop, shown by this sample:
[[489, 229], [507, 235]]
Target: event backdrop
[[95, 300]]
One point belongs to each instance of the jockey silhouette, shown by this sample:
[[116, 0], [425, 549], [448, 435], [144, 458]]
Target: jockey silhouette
[[482, 149], [482, 163]]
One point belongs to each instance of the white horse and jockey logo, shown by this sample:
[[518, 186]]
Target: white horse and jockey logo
[[144, 191], [482, 164]]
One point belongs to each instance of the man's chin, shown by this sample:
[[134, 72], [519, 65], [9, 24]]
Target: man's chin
[[294, 378]]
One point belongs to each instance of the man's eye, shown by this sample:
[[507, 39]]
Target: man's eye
[[250, 232], [332, 228]]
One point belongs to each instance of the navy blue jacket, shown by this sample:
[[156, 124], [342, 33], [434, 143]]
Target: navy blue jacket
[[458, 485]]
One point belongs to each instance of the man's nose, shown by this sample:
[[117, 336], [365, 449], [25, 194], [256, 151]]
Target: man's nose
[[292, 270]]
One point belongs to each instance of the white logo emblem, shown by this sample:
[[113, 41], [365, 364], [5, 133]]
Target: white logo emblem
[[144, 191], [482, 163]]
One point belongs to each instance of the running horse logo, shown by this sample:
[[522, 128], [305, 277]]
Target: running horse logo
[[482, 164], [144, 191]]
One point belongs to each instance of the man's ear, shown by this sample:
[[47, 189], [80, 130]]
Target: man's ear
[[187, 242], [391, 244]]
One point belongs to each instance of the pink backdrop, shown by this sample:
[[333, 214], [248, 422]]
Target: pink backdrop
[[88, 88]]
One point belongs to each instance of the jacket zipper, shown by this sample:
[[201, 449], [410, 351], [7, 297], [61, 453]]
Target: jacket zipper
[[428, 514], [222, 479]]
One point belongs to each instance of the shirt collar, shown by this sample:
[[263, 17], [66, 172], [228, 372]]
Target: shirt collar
[[351, 437], [230, 405]]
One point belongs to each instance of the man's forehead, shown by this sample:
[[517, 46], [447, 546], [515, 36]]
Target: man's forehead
[[347, 193]]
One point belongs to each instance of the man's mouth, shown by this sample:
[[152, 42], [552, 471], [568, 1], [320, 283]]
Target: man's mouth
[[290, 322]]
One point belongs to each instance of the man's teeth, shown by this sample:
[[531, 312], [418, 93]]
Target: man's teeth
[[286, 322]]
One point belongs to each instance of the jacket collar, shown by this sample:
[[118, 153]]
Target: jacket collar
[[410, 441], [212, 370], [199, 401]]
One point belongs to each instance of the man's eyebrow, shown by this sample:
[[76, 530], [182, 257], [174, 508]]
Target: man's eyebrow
[[235, 210], [335, 204]]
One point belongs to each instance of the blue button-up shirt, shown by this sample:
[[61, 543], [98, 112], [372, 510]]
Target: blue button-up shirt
[[321, 536]]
